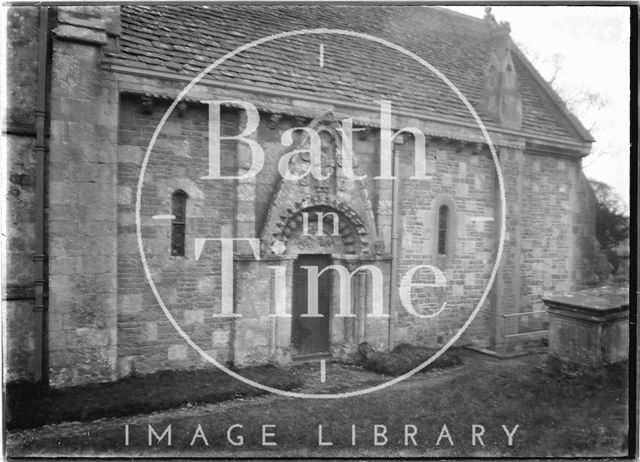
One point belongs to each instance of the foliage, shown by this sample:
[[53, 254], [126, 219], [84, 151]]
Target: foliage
[[403, 358], [580, 100], [612, 224]]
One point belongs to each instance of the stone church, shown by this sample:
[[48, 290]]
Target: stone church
[[122, 199]]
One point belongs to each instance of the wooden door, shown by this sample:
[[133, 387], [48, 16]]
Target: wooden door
[[310, 335]]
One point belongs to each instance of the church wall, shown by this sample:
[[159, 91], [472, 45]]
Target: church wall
[[547, 265], [268, 178], [22, 59], [146, 339], [549, 241], [467, 178], [19, 272], [259, 338], [506, 292], [82, 201], [559, 246], [376, 330], [189, 288]]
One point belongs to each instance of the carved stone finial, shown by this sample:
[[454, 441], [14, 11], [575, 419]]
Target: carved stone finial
[[488, 16]]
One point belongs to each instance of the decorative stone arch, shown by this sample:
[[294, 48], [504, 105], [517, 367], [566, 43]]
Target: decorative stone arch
[[352, 229], [337, 194], [444, 200]]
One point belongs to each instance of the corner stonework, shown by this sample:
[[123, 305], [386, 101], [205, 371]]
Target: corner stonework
[[83, 198]]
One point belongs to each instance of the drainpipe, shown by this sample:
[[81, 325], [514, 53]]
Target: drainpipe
[[398, 139], [39, 258]]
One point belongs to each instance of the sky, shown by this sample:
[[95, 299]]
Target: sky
[[593, 43]]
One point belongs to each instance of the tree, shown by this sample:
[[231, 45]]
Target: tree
[[612, 223], [580, 100]]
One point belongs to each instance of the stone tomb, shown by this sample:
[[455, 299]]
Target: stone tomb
[[589, 327]]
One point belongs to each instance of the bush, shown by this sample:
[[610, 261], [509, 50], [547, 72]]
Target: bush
[[403, 358]]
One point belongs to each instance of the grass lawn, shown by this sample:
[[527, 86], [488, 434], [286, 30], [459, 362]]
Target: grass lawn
[[557, 415], [32, 405]]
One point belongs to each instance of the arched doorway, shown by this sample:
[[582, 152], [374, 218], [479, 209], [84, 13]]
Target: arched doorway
[[321, 222], [316, 237]]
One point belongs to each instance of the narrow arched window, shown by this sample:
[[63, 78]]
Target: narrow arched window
[[443, 224], [179, 212]]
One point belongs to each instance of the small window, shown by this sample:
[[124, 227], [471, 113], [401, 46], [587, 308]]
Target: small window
[[443, 224], [179, 212]]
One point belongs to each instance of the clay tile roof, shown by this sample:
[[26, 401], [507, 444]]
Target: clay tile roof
[[185, 39]]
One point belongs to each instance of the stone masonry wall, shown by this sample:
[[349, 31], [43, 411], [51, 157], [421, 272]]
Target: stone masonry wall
[[549, 242], [189, 288], [82, 200], [22, 59], [547, 229], [558, 235], [459, 172], [466, 176], [19, 244], [506, 298], [468, 179], [19, 275]]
